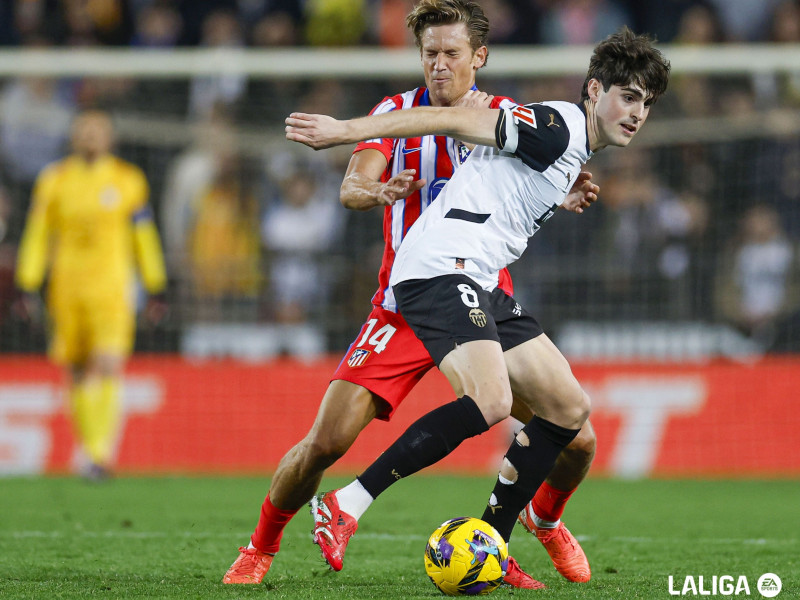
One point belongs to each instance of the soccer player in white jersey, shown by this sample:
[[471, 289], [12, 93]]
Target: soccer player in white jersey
[[386, 359], [446, 273]]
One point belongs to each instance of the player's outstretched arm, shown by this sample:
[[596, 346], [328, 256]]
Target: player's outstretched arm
[[474, 99], [472, 125]]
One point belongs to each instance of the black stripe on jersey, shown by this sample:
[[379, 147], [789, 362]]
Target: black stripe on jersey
[[465, 215], [542, 145], [500, 130]]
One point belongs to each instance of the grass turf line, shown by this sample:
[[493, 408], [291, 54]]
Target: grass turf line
[[175, 537]]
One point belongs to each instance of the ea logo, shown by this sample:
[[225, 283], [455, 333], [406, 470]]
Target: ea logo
[[478, 317], [769, 585]]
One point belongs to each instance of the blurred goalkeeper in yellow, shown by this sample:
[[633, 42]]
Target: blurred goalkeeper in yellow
[[89, 225]]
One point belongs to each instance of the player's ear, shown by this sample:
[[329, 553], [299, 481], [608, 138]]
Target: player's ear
[[593, 88], [479, 57]]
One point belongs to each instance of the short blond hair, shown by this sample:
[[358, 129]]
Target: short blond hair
[[432, 13]]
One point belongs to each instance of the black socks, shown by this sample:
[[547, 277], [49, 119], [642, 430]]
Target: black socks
[[532, 462], [429, 439]]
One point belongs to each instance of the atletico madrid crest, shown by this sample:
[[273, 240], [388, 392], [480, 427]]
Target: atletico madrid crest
[[463, 153], [358, 357]]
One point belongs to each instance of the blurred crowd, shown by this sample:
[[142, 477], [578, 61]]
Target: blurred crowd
[[259, 23], [695, 228]]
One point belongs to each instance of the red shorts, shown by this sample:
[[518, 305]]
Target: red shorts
[[386, 358]]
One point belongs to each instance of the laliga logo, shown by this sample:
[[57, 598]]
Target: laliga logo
[[769, 585]]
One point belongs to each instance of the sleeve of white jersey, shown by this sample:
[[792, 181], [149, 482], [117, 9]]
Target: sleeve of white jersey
[[536, 133]]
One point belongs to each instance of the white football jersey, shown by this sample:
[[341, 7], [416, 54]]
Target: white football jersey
[[498, 199]]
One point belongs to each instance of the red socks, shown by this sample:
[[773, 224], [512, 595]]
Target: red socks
[[548, 502], [269, 531]]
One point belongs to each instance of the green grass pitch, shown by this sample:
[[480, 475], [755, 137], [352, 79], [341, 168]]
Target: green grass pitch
[[175, 537]]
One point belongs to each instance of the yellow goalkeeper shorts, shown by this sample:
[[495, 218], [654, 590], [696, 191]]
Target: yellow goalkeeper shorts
[[84, 326]]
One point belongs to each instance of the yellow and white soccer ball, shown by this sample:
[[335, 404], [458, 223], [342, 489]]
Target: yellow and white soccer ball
[[466, 556]]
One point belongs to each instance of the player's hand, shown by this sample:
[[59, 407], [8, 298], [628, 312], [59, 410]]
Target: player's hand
[[28, 308], [315, 131], [156, 309], [475, 99], [582, 194], [398, 187]]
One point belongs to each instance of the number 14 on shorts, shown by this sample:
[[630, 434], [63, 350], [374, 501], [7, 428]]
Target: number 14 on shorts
[[379, 339]]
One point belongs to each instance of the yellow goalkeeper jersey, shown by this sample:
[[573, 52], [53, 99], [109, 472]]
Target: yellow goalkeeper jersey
[[90, 222]]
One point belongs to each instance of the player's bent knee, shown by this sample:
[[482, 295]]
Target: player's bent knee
[[585, 406], [495, 409], [573, 412], [587, 438], [325, 450], [583, 447]]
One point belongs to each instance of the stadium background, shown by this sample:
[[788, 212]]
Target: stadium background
[[675, 297]]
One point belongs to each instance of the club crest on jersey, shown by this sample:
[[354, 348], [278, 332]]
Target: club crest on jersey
[[525, 114], [463, 153], [478, 317], [110, 197], [358, 357]]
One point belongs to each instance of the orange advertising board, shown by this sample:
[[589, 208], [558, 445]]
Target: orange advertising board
[[228, 416]]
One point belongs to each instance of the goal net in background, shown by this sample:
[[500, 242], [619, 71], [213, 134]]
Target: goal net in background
[[689, 258]]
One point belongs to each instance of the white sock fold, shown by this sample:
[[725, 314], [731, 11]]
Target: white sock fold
[[354, 499], [542, 524]]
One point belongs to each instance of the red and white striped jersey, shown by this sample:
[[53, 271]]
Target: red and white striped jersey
[[434, 158]]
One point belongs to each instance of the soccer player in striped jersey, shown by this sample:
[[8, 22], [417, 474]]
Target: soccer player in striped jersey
[[89, 225], [386, 359], [446, 274]]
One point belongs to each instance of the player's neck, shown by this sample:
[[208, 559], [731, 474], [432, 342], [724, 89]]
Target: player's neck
[[592, 127], [445, 102], [91, 158]]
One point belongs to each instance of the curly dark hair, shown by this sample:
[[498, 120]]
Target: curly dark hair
[[432, 13], [624, 58]]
